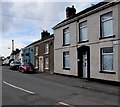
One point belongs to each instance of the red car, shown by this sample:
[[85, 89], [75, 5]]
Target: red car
[[26, 67]]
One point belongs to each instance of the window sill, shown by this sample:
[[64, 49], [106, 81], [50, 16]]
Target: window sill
[[46, 53], [47, 68], [83, 41], [66, 68], [36, 55], [112, 36], [108, 72], [36, 67], [66, 45]]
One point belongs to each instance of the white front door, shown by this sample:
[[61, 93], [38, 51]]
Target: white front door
[[85, 65], [41, 63]]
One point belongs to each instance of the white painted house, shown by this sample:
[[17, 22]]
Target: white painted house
[[87, 44]]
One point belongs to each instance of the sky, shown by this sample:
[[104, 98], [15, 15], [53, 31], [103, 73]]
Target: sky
[[24, 20]]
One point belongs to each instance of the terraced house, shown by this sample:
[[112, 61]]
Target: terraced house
[[44, 54], [28, 54], [87, 44]]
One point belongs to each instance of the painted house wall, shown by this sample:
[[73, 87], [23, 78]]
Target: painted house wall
[[29, 58], [41, 53], [119, 39], [93, 23], [59, 49], [95, 44], [18, 56], [51, 55]]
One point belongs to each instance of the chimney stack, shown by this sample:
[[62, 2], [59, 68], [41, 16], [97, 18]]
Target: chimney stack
[[70, 11], [45, 34]]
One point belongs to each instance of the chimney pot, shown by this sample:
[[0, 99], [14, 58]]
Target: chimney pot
[[70, 11]]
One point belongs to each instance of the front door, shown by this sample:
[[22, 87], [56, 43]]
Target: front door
[[41, 63], [85, 63]]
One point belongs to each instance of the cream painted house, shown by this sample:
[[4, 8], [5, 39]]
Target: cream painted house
[[87, 44]]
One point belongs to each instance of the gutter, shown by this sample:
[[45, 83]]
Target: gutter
[[112, 3]]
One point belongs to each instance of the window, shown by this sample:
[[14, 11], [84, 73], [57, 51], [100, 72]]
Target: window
[[66, 60], [29, 50], [107, 59], [46, 48], [46, 63], [66, 36], [36, 63], [36, 50], [83, 31], [106, 25]]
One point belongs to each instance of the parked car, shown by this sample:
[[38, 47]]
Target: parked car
[[14, 65], [26, 67]]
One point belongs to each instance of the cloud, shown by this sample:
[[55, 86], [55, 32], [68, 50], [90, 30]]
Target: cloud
[[49, 0], [6, 21], [22, 15], [23, 20], [19, 16]]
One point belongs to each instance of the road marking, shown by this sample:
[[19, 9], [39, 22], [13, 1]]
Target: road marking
[[18, 88], [62, 103]]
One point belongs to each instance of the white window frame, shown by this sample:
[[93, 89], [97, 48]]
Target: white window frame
[[81, 27], [64, 59], [105, 20], [36, 50], [46, 63], [46, 48], [66, 34], [103, 54], [36, 63]]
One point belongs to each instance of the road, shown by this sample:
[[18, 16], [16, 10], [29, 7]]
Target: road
[[35, 89]]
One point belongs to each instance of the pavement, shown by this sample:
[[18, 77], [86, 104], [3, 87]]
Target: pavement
[[82, 83]]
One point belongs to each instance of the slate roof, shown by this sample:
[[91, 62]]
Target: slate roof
[[40, 40], [83, 12]]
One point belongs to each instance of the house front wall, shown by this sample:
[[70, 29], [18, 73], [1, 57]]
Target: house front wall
[[95, 62], [59, 49], [58, 61], [119, 41], [51, 56], [41, 57], [30, 57], [94, 43]]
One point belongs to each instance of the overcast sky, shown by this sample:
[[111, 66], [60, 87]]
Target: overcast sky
[[24, 21]]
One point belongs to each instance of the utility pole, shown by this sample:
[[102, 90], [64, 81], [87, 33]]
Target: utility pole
[[13, 49]]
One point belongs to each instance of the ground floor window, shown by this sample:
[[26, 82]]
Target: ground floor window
[[36, 63], [66, 60], [107, 59], [46, 63]]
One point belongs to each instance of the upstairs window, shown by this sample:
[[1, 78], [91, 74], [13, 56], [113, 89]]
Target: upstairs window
[[66, 37], [46, 48], [106, 25], [83, 32], [36, 50]]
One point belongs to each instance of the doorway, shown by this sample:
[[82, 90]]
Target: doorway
[[84, 62], [41, 63]]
